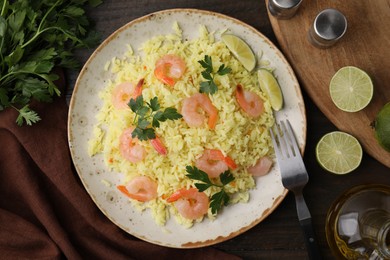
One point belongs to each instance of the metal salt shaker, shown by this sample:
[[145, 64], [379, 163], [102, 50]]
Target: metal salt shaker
[[283, 9], [328, 27]]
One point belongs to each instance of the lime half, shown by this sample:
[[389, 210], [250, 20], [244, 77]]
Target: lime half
[[270, 86], [351, 89], [240, 50], [339, 152]]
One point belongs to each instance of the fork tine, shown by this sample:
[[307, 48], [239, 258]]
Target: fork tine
[[274, 142], [278, 142], [294, 143], [287, 140], [284, 140]]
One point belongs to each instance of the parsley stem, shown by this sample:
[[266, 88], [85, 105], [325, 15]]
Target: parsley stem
[[3, 8], [25, 72], [145, 117], [17, 109], [2, 38], [38, 33], [13, 73], [46, 14]]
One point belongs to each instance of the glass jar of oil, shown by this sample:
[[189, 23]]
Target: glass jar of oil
[[358, 223]]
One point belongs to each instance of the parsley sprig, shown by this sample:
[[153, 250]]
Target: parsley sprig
[[27, 115], [35, 37], [148, 116], [208, 74], [219, 199]]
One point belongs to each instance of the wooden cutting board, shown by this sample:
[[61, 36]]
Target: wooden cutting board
[[366, 45]]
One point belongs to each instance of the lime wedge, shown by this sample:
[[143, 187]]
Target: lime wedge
[[240, 50], [351, 89], [339, 152], [270, 86]]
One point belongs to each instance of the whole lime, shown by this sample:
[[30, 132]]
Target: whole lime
[[382, 127]]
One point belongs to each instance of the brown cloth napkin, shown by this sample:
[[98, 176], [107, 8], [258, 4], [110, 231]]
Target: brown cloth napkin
[[45, 211]]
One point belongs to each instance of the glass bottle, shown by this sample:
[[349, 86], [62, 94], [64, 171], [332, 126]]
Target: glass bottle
[[358, 223]]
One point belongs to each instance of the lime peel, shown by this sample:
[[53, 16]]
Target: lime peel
[[382, 127]]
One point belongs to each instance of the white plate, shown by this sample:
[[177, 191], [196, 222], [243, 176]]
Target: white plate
[[85, 104]]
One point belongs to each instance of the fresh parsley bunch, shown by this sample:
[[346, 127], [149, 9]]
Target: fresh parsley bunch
[[208, 74], [218, 199], [35, 37], [148, 116]]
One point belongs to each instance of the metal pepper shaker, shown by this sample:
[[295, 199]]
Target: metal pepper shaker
[[283, 9], [328, 27]]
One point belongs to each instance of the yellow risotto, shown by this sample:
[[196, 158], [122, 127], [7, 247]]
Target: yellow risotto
[[240, 137]]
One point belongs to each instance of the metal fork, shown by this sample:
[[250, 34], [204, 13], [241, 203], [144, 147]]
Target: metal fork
[[294, 178]]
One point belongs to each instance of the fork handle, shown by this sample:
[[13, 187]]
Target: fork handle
[[310, 239]]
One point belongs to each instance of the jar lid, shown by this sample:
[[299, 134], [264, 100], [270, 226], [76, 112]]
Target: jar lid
[[328, 27], [283, 9]]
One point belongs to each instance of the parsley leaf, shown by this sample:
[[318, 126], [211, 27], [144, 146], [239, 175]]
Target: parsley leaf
[[208, 87], [142, 123], [27, 115], [208, 74], [226, 177], [154, 105], [222, 70], [95, 3], [136, 104], [171, 114], [146, 111], [218, 199], [35, 37], [199, 175]]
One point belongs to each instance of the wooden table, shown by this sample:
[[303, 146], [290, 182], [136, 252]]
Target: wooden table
[[279, 236]]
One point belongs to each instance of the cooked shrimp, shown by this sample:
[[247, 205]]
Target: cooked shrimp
[[191, 114], [130, 149], [169, 69], [125, 91], [158, 146], [214, 163], [190, 203], [140, 188], [262, 167], [249, 101]]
